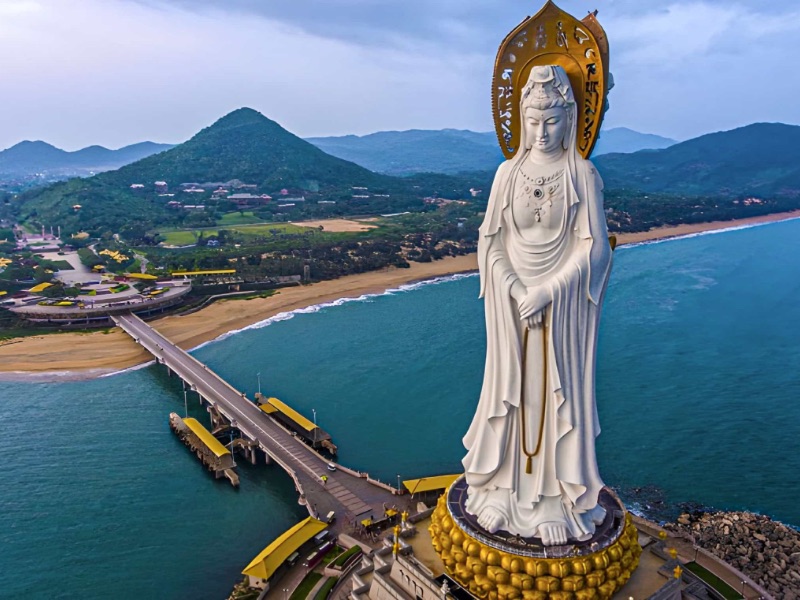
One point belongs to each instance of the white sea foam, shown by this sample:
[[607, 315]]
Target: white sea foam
[[129, 369], [314, 308], [54, 376]]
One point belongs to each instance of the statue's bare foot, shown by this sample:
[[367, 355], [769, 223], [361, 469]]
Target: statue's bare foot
[[492, 519], [554, 533]]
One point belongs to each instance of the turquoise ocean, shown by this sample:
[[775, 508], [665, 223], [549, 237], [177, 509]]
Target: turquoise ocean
[[697, 390]]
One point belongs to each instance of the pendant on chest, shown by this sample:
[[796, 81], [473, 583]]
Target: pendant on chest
[[538, 192]]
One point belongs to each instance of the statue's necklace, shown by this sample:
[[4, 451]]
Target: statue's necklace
[[539, 191]]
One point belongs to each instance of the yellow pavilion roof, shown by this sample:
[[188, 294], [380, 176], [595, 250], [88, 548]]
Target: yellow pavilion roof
[[146, 276], [211, 272], [39, 288], [292, 414], [429, 484], [206, 437], [272, 557], [268, 408]]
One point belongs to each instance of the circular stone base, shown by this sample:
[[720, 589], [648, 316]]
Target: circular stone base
[[504, 567]]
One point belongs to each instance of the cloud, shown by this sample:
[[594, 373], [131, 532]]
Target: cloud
[[475, 24], [119, 71], [690, 68], [112, 73], [12, 8]]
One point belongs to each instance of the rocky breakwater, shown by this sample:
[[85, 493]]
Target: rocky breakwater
[[765, 550]]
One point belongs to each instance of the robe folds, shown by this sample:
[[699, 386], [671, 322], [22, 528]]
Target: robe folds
[[574, 263]]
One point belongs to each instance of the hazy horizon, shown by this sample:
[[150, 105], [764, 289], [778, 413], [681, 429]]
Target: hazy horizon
[[175, 143], [118, 72]]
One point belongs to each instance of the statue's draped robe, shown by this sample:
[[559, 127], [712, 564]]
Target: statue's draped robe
[[574, 263]]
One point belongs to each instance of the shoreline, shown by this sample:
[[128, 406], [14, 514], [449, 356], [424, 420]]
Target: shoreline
[[73, 356], [669, 232]]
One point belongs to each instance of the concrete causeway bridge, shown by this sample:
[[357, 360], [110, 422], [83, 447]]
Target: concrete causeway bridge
[[346, 492]]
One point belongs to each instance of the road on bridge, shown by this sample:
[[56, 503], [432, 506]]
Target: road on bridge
[[342, 492]]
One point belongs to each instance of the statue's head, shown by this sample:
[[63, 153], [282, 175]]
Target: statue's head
[[548, 111]]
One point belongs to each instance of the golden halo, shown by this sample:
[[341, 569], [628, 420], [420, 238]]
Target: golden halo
[[552, 37]]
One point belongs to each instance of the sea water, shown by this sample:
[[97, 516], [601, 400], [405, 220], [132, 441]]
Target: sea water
[[697, 394]]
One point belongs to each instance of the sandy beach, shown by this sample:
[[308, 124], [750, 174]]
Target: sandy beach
[[101, 352], [77, 355], [672, 231]]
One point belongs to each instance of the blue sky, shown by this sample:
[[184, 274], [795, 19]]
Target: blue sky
[[114, 72]]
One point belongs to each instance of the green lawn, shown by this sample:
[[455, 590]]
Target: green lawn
[[236, 218], [345, 556], [183, 237], [60, 265], [269, 228], [326, 588], [715, 582], [302, 590]]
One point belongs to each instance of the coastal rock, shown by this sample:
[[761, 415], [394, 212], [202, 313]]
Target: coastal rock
[[765, 550]]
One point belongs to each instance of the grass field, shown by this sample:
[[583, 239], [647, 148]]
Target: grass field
[[235, 218], [60, 265], [185, 237]]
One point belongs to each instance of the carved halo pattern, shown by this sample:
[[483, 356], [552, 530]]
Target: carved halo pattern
[[552, 37]]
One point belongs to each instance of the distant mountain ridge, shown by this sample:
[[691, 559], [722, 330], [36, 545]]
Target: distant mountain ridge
[[243, 145], [417, 150], [622, 139], [687, 181], [453, 151], [447, 151], [759, 159], [28, 158]]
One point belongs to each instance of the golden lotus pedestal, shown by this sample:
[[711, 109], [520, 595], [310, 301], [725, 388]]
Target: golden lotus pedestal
[[504, 567]]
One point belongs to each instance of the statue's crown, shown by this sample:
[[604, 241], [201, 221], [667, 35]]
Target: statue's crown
[[545, 88]]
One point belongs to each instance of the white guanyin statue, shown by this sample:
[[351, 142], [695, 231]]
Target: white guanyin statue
[[544, 259]]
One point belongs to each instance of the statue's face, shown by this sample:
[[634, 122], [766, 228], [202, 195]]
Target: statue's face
[[545, 129]]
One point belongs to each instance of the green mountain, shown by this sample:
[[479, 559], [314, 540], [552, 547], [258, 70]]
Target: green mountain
[[762, 159], [248, 146], [453, 150], [244, 147]]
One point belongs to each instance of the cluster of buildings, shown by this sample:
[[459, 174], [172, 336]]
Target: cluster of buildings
[[241, 194], [443, 201], [749, 201]]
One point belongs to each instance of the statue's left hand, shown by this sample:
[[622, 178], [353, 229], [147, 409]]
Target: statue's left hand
[[537, 298]]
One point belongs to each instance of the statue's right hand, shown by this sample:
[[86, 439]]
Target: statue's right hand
[[536, 299]]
